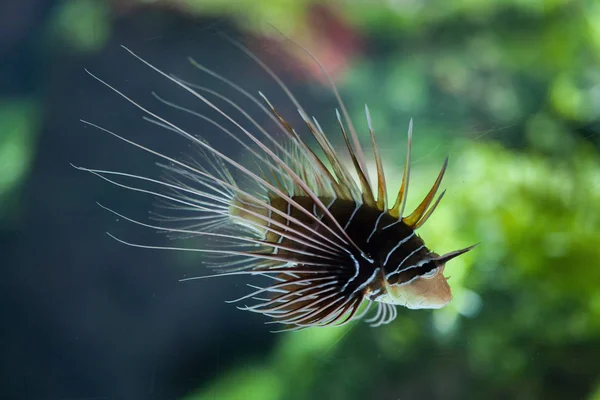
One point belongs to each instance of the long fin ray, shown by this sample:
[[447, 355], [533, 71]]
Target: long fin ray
[[358, 149], [418, 213], [367, 192], [340, 171], [307, 152], [229, 160], [381, 186], [398, 209]]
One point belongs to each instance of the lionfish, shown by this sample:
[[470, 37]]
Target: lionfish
[[325, 238]]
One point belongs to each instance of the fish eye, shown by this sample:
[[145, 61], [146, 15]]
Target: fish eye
[[433, 270]]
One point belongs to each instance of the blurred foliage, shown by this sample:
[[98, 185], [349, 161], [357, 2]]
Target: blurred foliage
[[277, 378], [19, 120], [83, 25]]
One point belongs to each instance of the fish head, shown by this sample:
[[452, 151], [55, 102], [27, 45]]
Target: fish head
[[427, 290]]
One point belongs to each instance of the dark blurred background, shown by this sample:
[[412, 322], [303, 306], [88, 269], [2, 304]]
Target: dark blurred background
[[510, 89]]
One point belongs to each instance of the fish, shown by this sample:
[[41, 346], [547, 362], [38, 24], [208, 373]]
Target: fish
[[322, 238]]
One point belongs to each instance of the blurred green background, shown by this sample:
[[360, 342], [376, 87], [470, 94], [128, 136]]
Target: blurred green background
[[510, 89]]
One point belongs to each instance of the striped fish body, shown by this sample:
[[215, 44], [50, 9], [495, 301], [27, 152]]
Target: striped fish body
[[395, 267], [325, 239]]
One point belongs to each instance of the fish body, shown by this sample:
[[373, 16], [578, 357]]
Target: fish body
[[321, 234]]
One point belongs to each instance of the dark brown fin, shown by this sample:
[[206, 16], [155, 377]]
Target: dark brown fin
[[398, 209], [330, 312], [413, 219], [367, 192], [381, 186], [300, 300]]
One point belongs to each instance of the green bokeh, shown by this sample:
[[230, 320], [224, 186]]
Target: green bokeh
[[83, 25], [19, 121]]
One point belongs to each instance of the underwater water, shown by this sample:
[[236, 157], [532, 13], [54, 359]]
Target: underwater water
[[509, 93]]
